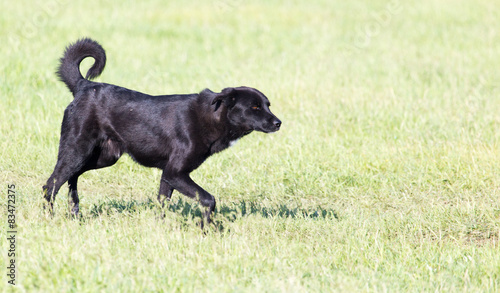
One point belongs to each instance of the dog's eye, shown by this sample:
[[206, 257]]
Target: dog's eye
[[256, 107]]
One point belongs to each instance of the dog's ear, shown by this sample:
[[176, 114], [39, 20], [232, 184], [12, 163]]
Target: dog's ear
[[226, 96]]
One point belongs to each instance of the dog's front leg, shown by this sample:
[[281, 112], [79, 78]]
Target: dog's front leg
[[165, 193], [185, 185]]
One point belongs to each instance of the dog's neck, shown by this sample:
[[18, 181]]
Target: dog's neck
[[226, 134], [219, 131]]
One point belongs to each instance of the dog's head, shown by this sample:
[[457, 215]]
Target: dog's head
[[247, 109]]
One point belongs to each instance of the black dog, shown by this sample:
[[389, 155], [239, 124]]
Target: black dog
[[175, 133]]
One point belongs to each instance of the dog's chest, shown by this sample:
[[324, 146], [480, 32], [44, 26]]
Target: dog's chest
[[221, 145], [233, 142]]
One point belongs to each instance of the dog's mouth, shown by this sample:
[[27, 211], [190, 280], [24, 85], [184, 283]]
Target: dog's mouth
[[272, 130], [269, 129], [266, 127]]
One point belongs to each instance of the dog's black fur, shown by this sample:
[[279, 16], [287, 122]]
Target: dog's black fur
[[175, 133]]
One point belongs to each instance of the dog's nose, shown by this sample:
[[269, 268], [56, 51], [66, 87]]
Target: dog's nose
[[277, 123]]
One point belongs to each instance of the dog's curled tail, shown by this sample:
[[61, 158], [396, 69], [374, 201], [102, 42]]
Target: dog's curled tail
[[69, 67]]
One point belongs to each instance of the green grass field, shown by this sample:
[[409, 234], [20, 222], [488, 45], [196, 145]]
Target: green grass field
[[385, 176]]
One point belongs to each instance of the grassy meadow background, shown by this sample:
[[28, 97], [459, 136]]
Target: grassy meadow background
[[384, 177]]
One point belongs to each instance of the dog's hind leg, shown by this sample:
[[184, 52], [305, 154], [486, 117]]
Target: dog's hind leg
[[73, 200], [103, 155], [68, 165], [74, 149], [72, 160]]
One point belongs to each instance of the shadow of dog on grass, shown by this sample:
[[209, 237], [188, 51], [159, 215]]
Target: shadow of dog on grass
[[224, 213]]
